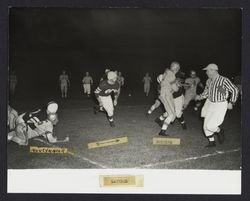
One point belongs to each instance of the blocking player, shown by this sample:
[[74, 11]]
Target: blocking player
[[64, 83], [13, 83], [103, 95], [147, 81], [87, 81], [214, 110], [166, 97], [34, 124], [191, 87], [178, 98]]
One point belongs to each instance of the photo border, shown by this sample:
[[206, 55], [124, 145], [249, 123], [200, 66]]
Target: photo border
[[5, 4]]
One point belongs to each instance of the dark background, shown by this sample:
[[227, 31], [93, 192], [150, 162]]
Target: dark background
[[44, 41]]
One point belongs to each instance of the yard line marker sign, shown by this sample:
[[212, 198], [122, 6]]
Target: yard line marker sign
[[48, 150], [105, 143], [166, 141]]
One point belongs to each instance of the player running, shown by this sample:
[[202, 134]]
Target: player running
[[87, 81], [64, 84], [35, 124], [178, 100], [172, 108], [191, 84], [147, 81], [103, 95]]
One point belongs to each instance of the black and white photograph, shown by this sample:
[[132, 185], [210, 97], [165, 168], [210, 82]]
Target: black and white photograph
[[125, 88]]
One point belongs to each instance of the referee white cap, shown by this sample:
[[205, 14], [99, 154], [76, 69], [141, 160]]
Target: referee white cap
[[112, 75], [211, 67]]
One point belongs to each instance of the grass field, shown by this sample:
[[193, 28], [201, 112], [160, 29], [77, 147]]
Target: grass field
[[78, 121]]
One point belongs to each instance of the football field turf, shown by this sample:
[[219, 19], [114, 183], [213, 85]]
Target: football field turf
[[77, 120]]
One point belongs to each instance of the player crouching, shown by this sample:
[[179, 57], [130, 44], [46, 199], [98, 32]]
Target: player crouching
[[103, 95], [32, 124]]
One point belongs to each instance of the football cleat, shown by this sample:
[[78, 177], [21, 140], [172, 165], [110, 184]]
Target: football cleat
[[211, 144], [221, 136], [112, 123], [184, 126], [163, 133]]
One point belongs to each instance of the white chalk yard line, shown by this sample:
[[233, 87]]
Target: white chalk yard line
[[73, 154], [188, 159]]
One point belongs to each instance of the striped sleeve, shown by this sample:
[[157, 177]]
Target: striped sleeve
[[233, 89], [98, 90]]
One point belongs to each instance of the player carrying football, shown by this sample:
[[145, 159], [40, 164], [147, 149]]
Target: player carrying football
[[103, 95]]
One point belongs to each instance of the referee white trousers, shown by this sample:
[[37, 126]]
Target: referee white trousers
[[214, 114], [107, 103]]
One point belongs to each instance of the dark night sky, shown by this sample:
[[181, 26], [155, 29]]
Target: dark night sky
[[43, 41]]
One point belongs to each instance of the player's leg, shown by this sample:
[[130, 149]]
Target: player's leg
[[147, 89], [62, 90], [109, 107], [88, 90], [20, 135], [188, 97], [179, 101], [168, 103], [165, 125], [66, 91], [84, 89], [154, 106]]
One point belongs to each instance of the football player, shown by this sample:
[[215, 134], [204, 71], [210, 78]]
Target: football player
[[64, 83], [191, 84], [87, 81], [103, 95], [34, 124], [147, 81], [169, 85]]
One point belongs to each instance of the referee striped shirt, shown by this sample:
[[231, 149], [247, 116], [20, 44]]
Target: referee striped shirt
[[218, 90]]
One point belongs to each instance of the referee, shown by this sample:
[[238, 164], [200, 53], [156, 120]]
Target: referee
[[214, 110]]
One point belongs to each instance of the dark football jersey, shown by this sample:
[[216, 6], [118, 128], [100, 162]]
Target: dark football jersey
[[181, 79], [32, 118], [105, 89]]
